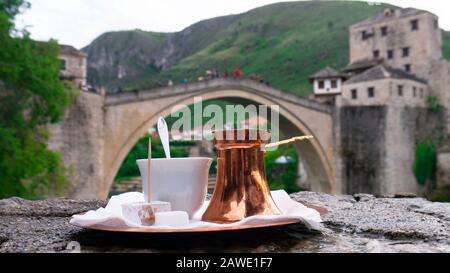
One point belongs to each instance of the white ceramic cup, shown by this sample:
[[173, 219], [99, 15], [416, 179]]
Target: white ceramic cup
[[181, 181]]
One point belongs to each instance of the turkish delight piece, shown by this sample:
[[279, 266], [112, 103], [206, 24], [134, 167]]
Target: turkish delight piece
[[143, 213], [160, 206], [172, 219]]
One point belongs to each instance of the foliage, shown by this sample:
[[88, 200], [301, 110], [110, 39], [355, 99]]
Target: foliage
[[433, 104], [441, 195], [31, 95], [425, 162], [282, 176]]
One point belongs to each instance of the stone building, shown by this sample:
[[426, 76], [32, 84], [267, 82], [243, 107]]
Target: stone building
[[396, 63], [73, 65], [327, 85], [408, 39], [397, 49], [383, 85]]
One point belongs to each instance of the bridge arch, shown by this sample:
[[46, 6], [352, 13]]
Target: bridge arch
[[129, 115]]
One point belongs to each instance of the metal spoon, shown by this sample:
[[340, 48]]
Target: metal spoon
[[164, 135]]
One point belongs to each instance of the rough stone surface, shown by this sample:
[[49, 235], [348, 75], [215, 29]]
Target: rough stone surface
[[377, 148], [359, 223], [443, 166], [79, 140]]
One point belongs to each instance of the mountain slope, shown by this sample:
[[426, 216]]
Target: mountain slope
[[284, 42], [117, 55]]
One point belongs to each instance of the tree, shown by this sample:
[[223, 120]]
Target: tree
[[31, 96]]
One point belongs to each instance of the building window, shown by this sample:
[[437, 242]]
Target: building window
[[384, 31], [376, 54], [421, 92], [364, 35], [62, 64], [414, 24], [405, 52], [321, 84], [407, 67], [414, 91], [436, 24], [400, 90], [333, 83], [80, 64], [354, 94], [371, 92], [390, 54]]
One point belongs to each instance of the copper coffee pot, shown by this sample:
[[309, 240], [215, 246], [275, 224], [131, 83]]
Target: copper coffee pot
[[241, 187]]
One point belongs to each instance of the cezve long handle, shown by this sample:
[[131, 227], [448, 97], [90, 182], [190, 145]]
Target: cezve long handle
[[164, 135], [287, 141]]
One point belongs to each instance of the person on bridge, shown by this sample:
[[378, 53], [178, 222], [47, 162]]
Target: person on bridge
[[236, 73], [226, 74], [241, 75], [215, 73], [208, 74]]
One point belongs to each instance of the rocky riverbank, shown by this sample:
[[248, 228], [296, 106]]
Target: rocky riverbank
[[359, 223]]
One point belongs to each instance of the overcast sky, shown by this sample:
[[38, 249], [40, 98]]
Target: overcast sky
[[78, 22]]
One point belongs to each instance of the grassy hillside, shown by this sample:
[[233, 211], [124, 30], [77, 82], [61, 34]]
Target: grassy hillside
[[284, 42]]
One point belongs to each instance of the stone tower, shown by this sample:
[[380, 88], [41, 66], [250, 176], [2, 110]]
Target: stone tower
[[396, 64], [73, 65], [408, 39]]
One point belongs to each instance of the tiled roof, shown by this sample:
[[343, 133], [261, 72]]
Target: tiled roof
[[327, 72], [70, 50], [389, 14], [362, 64], [383, 72]]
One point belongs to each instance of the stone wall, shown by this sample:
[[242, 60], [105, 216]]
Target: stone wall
[[79, 139], [376, 147], [399, 154], [443, 167], [439, 81], [361, 146]]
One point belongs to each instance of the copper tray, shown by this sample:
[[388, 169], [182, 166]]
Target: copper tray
[[321, 210], [197, 230]]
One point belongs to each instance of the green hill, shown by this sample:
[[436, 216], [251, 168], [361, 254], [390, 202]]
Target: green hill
[[284, 42]]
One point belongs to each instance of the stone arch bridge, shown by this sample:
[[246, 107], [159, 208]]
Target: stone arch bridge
[[98, 132]]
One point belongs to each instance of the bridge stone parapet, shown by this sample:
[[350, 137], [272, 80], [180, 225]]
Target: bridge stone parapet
[[201, 87]]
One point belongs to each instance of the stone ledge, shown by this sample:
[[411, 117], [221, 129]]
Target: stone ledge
[[61, 207], [360, 223]]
